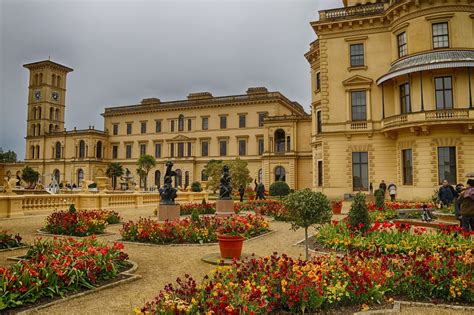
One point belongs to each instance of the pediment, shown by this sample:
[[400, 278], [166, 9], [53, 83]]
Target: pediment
[[181, 138], [358, 80]]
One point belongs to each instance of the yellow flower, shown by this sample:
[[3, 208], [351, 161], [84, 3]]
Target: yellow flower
[[365, 307]]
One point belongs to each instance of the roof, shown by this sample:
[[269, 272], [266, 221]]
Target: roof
[[47, 63], [430, 61]]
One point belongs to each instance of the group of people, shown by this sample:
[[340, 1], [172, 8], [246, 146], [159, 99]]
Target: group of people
[[392, 189], [463, 199]]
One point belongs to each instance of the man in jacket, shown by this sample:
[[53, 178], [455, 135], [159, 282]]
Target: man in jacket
[[446, 194], [467, 206]]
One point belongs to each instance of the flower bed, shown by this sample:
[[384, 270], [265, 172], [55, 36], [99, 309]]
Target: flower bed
[[54, 267], [8, 240], [388, 237], [188, 231], [200, 208], [271, 208], [80, 223], [280, 283], [391, 207]]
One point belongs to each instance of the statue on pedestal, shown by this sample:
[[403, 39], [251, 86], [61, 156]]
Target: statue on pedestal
[[225, 187], [168, 193]]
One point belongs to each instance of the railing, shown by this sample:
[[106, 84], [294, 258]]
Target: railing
[[400, 119], [447, 114], [358, 125], [429, 117], [354, 11], [46, 202], [122, 200]]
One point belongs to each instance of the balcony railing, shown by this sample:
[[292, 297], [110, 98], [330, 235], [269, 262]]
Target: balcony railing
[[355, 11], [428, 116]]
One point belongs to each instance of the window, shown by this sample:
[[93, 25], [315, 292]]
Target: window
[[189, 149], [186, 179], [222, 147], [320, 173], [158, 126], [190, 124], [447, 164], [280, 174], [242, 147], [261, 147], [129, 128], [405, 98], [128, 151], [115, 152], [181, 123], [444, 92], [440, 35], [58, 150], [318, 122], [318, 81], [358, 105], [260, 176], [157, 150], [82, 149], [157, 178], [223, 122], [288, 144], [181, 149], [204, 176], [205, 123], [242, 121], [172, 126], [280, 141], [98, 150], [80, 176], [142, 149], [115, 129], [172, 150], [261, 117], [143, 127], [402, 44], [407, 165], [360, 171], [178, 178], [357, 55], [204, 148]]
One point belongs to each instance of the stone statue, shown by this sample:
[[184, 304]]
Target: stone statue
[[225, 188], [9, 184], [168, 193]]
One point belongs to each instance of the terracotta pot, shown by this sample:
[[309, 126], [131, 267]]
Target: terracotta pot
[[336, 209], [230, 246]]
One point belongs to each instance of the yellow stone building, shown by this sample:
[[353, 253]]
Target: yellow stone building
[[392, 95], [266, 129]]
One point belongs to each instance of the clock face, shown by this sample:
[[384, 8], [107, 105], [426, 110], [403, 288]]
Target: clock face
[[37, 95], [55, 96]]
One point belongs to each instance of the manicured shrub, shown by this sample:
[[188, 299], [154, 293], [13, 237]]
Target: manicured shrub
[[279, 188], [196, 187], [379, 199], [358, 216], [200, 208]]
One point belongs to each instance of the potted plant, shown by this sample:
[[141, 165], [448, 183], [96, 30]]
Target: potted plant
[[230, 235], [337, 207]]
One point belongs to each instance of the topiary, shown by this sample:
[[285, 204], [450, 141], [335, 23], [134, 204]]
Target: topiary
[[196, 187], [279, 188], [359, 214], [380, 199], [72, 209], [195, 216]]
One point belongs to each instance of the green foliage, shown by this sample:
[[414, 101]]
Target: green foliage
[[72, 208], [93, 185], [239, 173], [279, 188], [359, 214], [213, 171], [29, 175], [196, 187], [379, 199], [114, 169], [145, 163], [7, 157], [195, 216], [305, 208]]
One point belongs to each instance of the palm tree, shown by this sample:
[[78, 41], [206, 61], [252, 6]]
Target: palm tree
[[145, 163], [113, 171]]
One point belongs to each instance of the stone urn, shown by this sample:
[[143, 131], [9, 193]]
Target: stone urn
[[101, 183]]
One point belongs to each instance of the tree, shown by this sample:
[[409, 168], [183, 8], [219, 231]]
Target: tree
[[359, 214], [239, 173], [145, 163], [305, 208], [213, 171], [279, 188], [7, 157], [30, 176], [380, 199], [196, 187], [114, 170]]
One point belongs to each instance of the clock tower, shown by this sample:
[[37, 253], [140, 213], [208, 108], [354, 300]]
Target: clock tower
[[46, 104]]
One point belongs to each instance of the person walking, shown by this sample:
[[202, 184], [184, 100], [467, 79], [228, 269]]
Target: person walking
[[467, 206], [392, 191], [446, 194], [241, 193], [457, 203], [383, 186]]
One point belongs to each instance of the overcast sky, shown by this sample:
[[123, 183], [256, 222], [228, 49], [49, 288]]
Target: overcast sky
[[124, 51]]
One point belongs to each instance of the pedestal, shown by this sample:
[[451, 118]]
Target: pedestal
[[224, 208], [168, 212]]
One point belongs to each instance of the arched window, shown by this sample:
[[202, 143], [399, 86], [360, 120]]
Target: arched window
[[288, 143], [33, 130], [53, 80], [82, 149], [260, 176], [157, 179], [37, 151], [36, 79], [38, 129], [204, 176], [51, 113], [57, 114], [186, 179], [32, 152], [41, 78], [56, 128], [58, 81], [280, 141], [57, 175], [280, 174], [34, 112], [80, 176], [98, 153], [39, 112], [51, 128], [178, 179], [58, 150], [180, 123]]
